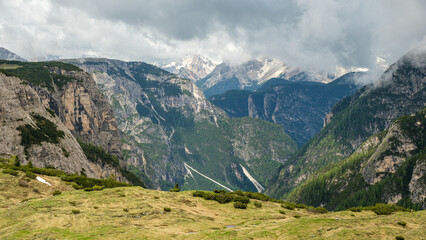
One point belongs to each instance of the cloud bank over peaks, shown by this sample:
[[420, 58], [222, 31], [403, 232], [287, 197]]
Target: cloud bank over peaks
[[312, 34]]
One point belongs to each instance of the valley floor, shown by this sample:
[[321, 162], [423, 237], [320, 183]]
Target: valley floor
[[137, 213]]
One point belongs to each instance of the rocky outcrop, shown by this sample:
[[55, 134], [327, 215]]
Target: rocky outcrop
[[18, 104], [389, 155], [83, 110]]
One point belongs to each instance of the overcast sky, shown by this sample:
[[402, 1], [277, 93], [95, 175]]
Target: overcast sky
[[306, 33]]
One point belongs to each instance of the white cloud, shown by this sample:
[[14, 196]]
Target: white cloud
[[305, 33]]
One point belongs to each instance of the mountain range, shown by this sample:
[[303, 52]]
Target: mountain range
[[173, 134], [399, 91], [299, 107], [140, 124], [251, 75]]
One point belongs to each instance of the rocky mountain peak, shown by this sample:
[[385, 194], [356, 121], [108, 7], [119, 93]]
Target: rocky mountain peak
[[8, 55], [194, 67]]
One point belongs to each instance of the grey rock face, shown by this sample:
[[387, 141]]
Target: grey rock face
[[18, 101], [84, 111], [8, 55]]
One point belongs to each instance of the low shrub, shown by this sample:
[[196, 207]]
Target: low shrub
[[76, 186], [198, 194], [219, 191], [355, 209], [75, 211], [10, 171], [56, 192], [166, 209], [223, 198], [301, 206], [402, 223], [30, 175], [240, 205], [176, 188], [297, 216], [399, 238], [288, 205], [317, 210], [385, 209], [73, 203], [94, 188], [258, 204], [36, 190], [122, 194], [125, 209], [241, 199], [282, 211]]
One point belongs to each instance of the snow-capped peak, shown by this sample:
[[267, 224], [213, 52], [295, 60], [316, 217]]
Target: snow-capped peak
[[193, 67]]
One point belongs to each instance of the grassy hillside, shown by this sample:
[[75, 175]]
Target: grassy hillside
[[137, 213]]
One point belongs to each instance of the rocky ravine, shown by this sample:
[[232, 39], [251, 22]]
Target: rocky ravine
[[166, 122]]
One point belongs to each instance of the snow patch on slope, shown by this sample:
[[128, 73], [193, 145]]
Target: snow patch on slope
[[258, 186], [43, 181], [191, 168]]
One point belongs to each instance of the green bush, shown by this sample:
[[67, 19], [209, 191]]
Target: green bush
[[94, 188], [30, 164], [288, 205], [317, 210], [76, 186], [355, 209], [125, 209], [402, 223], [297, 216], [241, 199], [223, 198], [30, 175], [258, 204], [219, 191], [198, 194], [56, 192], [281, 211], [385, 209], [73, 203], [75, 211], [166, 209], [399, 238], [10, 171], [176, 188], [240, 205]]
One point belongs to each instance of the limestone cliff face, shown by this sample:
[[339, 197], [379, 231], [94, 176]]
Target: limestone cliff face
[[388, 156], [19, 102], [83, 110]]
